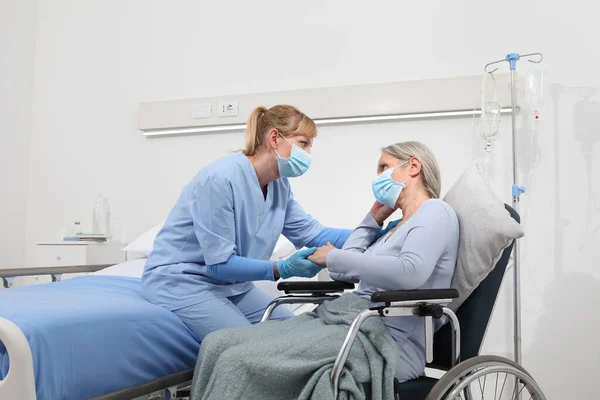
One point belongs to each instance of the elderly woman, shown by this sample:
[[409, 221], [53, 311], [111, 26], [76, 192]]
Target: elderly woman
[[417, 252]]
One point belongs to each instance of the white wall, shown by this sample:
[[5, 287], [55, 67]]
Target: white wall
[[17, 39], [95, 60]]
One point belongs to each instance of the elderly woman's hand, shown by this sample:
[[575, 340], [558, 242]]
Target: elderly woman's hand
[[320, 256], [381, 212]]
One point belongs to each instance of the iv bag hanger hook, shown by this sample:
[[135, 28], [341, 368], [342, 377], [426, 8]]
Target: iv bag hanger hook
[[513, 58]]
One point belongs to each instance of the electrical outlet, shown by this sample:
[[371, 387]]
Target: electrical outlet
[[228, 108]]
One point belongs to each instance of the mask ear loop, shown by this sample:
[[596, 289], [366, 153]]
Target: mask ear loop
[[398, 166], [395, 168], [295, 146], [284, 138]]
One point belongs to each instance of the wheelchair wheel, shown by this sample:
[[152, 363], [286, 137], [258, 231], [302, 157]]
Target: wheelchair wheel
[[487, 378]]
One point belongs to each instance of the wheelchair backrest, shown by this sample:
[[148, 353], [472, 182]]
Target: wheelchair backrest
[[474, 314]]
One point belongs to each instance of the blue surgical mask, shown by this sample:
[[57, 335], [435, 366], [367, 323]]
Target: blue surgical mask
[[296, 164], [387, 190]]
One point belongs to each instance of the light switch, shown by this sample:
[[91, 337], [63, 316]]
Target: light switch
[[203, 110]]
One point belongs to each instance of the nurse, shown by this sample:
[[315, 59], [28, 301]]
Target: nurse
[[221, 233]]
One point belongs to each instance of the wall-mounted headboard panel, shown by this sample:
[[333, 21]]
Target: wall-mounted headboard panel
[[456, 95]]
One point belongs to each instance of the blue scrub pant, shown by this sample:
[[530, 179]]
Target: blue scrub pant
[[229, 312]]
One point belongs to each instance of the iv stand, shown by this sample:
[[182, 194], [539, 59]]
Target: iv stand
[[517, 190]]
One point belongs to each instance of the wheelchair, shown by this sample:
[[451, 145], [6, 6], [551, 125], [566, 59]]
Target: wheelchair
[[454, 349]]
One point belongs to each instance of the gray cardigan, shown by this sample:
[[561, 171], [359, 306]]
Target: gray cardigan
[[421, 254]]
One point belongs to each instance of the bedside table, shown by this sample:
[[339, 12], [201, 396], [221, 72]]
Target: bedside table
[[64, 253], [49, 257]]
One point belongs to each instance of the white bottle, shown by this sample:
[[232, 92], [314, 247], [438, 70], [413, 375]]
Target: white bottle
[[101, 217], [107, 216], [77, 228]]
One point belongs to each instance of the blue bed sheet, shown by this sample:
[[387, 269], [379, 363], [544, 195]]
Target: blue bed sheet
[[91, 335]]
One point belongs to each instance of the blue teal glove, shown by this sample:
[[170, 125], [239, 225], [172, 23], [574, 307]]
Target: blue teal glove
[[298, 265]]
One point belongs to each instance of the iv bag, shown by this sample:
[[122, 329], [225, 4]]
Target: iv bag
[[535, 86], [488, 126]]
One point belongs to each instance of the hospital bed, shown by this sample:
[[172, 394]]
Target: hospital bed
[[93, 336], [88, 336]]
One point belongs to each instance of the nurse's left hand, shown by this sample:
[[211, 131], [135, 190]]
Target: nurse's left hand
[[320, 256]]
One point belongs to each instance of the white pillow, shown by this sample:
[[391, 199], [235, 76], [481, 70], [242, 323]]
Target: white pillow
[[144, 243], [132, 268], [486, 229]]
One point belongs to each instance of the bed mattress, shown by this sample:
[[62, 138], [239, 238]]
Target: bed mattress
[[91, 335]]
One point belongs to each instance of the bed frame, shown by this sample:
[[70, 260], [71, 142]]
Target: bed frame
[[20, 381]]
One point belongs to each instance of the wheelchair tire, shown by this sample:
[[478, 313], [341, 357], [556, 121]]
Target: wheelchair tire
[[462, 371]]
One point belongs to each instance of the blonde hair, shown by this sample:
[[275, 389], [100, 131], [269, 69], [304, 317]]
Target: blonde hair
[[288, 120], [430, 170]]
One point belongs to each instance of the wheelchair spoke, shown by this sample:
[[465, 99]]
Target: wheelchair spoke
[[468, 393], [459, 383], [516, 386], [502, 390], [496, 388], [483, 391]]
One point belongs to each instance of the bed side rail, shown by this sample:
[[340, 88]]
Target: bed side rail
[[55, 273], [19, 383], [167, 382]]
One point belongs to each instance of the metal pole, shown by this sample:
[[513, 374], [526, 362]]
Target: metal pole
[[517, 283], [512, 59]]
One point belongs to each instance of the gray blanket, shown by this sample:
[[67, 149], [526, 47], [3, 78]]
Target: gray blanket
[[293, 359]]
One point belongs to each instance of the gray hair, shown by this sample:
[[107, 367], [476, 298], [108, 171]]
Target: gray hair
[[430, 170]]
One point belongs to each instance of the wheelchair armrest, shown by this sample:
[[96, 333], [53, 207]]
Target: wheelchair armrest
[[392, 296], [314, 287]]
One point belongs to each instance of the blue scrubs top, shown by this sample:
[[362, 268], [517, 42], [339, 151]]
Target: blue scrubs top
[[220, 213]]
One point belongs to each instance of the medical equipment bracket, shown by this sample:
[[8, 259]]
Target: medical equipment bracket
[[517, 189]]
